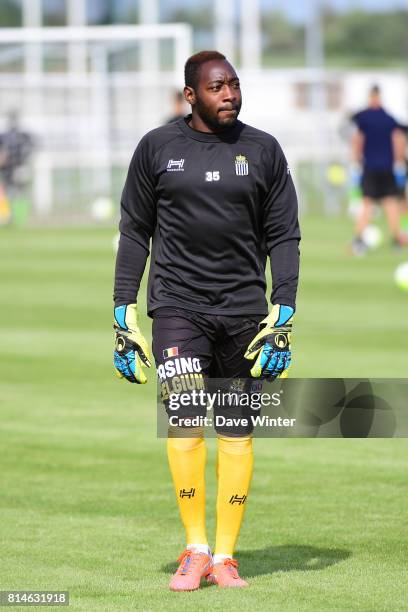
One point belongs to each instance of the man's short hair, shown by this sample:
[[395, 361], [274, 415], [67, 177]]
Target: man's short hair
[[375, 90], [194, 63]]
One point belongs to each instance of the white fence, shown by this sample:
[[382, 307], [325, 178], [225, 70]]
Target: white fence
[[87, 123]]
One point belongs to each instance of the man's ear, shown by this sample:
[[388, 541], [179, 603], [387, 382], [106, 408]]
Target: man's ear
[[189, 95]]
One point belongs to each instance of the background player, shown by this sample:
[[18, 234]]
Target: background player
[[16, 146], [378, 155], [179, 106], [217, 197]]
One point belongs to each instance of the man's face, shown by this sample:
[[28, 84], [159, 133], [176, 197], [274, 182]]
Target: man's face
[[375, 99], [217, 99]]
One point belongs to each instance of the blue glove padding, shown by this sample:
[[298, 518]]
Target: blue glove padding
[[274, 363], [131, 349], [124, 360], [271, 346]]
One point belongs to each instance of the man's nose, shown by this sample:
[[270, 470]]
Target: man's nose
[[229, 93]]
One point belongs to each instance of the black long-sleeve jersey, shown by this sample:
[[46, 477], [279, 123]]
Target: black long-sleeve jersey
[[215, 206]]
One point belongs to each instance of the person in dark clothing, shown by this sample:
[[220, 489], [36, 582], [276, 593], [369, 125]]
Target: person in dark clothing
[[178, 106], [16, 147], [216, 198], [378, 156]]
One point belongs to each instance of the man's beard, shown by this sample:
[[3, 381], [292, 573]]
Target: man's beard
[[214, 121]]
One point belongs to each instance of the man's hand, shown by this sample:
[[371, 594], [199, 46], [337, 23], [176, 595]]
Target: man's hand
[[355, 175], [271, 346], [400, 174], [131, 349]]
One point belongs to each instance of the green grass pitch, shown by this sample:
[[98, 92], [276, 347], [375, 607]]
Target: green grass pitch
[[86, 502]]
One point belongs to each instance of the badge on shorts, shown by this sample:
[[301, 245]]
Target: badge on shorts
[[170, 352], [256, 386]]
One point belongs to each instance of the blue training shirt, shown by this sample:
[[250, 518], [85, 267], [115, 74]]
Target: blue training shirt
[[377, 127]]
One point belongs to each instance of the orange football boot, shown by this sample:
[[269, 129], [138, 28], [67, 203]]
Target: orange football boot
[[193, 566], [225, 574]]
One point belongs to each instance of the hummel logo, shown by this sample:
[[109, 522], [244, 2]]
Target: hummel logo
[[189, 494], [175, 165], [237, 500]]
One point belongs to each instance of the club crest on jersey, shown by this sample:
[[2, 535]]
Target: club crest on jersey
[[241, 165], [175, 165]]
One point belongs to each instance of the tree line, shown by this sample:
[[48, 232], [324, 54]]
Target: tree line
[[352, 38]]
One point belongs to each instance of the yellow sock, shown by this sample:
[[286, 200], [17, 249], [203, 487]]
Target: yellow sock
[[234, 472], [187, 465]]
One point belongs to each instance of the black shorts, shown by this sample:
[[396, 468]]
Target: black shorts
[[189, 348], [377, 184]]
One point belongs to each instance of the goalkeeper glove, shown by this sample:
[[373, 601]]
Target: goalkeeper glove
[[131, 349], [271, 346]]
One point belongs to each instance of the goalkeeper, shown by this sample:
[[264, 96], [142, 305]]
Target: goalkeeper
[[216, 198]]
